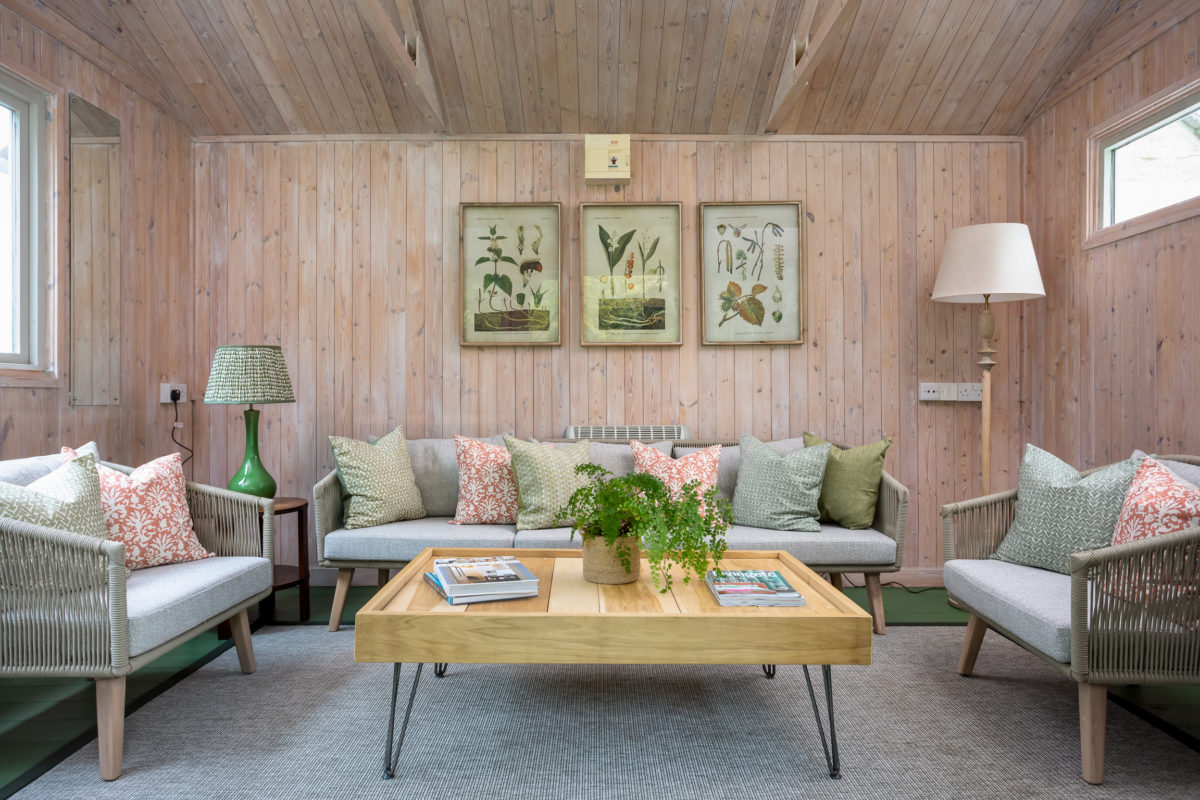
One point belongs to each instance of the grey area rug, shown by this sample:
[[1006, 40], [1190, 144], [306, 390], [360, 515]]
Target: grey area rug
[[310, 724]]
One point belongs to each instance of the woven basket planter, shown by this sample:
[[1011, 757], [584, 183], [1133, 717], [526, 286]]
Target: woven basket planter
[[602, 564]]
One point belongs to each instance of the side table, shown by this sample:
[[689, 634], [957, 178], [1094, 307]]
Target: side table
[[286, 574]]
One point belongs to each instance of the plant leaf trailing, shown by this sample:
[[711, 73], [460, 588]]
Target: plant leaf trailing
[[681, 528], [747, 306]]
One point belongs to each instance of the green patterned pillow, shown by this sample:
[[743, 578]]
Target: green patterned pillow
[[779, 492], [546, 479], [68, 499], [378, 479], [1060, 512], [851, 487]]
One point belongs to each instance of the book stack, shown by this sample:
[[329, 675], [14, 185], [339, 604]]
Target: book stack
[[752, 587], [480, 580]]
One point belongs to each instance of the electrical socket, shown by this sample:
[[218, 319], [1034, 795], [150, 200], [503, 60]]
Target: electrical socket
[[929, 392], [164, 392], [970, 392]]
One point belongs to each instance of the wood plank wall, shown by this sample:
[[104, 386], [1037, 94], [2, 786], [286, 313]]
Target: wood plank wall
[[156, 310], [345, 252], [1120, 333]]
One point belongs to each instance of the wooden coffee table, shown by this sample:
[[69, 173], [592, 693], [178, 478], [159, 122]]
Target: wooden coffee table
[[572, 621]]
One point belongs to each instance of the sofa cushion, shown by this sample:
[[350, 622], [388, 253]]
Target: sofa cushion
[[731, 461], [830, 545], [24, 471], [401, 541], [851, 486], [1030, 603], [702, 467], [546, 479], [487, 490], [775, 491], [378, 480], [547, 538], [171, 599], [66, 499]]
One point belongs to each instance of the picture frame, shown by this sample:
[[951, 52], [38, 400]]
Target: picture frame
[[630, 276], [752, 277], [510, 288]]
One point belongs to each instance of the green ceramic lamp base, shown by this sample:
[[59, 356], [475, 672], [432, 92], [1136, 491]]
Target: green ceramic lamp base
[[252, 477]]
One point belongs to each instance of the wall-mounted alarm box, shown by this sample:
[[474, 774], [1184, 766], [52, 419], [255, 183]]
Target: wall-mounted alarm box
[[606, 158]]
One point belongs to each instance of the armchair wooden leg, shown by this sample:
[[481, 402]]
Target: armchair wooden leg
[[384, 575], [1093, 711], [836, 579], [976, 628], [339, 597], [875, 597], [240, 624], [110, 725]]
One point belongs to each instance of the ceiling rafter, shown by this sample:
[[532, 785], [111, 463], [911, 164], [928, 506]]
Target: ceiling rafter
[[412, 67], [832, 27]]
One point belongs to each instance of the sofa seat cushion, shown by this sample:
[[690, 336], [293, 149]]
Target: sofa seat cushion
[[165, 601], [1030, 603], [547, 538], [402, 541], [830, 545]]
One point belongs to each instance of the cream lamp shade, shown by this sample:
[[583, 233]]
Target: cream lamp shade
[[249, 374], [989, 262]]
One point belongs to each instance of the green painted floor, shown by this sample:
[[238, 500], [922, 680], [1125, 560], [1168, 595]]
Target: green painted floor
[[44, 720]]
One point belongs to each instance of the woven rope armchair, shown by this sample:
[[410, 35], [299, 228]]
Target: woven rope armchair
[[64, 609], [1134, 611]]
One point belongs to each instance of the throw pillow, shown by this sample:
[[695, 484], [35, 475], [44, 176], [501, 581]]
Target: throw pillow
[[776, 491], [68, 499], [675, 472], [1060, 512], [147, 511], [24, 471], [1158, 502], [378, 479], [1189, 472], [546, 479], [851, 485], [487, 490]]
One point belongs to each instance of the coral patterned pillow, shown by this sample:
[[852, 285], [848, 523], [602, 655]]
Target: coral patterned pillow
[[700, 466], [487, 490], [1157, 502], [147, 511]]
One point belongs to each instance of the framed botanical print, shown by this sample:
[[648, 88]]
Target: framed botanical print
[[630, 281], [511, 273], [751, 273]]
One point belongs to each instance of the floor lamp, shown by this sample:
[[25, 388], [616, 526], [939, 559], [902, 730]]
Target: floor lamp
[[989, 263]]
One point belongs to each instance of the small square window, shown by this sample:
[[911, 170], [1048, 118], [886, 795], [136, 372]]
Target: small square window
[[1154, 168]]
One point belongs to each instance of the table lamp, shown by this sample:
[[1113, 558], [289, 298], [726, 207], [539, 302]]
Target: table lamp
[[250, 374], [992, 262]]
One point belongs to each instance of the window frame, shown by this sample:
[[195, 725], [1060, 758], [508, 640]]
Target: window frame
[[1102, 141]]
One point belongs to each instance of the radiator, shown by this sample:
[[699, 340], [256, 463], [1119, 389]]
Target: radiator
[[647, 432]]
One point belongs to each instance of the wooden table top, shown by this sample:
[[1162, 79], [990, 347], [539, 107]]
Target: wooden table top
[[574, 621]]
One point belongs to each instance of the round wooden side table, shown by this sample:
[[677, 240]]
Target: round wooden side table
[[287, 575]]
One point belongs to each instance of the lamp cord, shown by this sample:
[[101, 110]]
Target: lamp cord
[[908, 589], [174, 429]]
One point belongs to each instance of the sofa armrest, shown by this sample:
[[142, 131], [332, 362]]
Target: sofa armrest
[[1135, 611], [230, 523], [975, 528], [327, 509], [62, 603], [891, 512]]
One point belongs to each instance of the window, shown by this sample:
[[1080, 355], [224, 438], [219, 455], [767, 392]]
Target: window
[[22, 123]]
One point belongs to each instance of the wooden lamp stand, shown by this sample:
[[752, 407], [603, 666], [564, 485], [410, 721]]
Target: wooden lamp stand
[[987, 329]]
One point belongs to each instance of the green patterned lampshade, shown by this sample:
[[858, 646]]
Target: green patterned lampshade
[[249, 373]]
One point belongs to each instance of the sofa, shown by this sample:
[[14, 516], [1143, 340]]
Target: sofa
[[69, 607], [1126, 614], [834, 550]]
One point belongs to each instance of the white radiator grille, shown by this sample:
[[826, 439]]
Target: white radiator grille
[[649, 432]]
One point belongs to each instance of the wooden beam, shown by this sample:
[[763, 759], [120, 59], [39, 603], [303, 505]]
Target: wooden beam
[[832, 27], [418, 83]]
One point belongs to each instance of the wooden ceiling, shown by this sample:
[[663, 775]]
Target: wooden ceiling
[[641, 66]]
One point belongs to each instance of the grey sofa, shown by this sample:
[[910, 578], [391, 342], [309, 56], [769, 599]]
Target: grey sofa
[[834, 550], [1127, 614], [68, 609]]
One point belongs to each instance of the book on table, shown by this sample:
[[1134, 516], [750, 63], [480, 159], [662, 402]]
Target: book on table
[[493, 575], [752, 587], [436, 585]]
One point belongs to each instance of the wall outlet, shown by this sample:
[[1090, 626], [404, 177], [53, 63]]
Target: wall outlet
[[970, 392], [164, 392], [929, 392]]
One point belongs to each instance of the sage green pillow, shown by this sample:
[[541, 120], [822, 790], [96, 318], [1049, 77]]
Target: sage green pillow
[[851, 486], [546, 479], [776, 491], [1060, 512], [68, 499], [378, 479]]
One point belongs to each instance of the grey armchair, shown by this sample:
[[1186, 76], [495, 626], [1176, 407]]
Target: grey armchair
[[67, 608]]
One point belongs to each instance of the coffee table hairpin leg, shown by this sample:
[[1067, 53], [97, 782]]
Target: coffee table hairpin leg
[[439, 669], [831, 759], [769, 670], [390, 759]]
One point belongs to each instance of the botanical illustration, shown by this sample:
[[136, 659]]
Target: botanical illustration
[[510, 273], [630, 274], [752, 278]]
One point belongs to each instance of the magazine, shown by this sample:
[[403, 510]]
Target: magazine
[[432, 580], [752, 587], [488, 575]]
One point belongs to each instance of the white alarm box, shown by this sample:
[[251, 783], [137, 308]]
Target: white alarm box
[[606, 158]]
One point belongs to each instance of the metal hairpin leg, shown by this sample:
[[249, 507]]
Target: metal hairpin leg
[[769, 670], [389, 758], [439, 669], [831, 760]]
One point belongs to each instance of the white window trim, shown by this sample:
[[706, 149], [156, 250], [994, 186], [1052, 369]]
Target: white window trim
[[1103, 138]]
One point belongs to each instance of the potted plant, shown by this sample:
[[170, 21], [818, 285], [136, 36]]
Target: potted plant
[[621, 519]]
